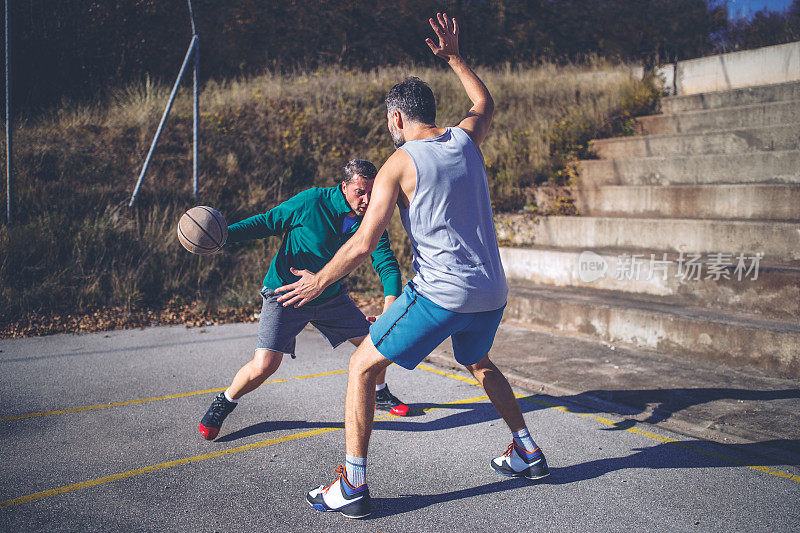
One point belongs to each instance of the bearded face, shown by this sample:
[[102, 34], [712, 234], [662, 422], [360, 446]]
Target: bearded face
[[397, 136]]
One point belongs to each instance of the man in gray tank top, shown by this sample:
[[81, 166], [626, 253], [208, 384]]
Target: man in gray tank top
[[437, 179]]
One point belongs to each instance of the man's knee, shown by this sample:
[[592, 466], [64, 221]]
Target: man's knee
[[480, 369], [266, 362], [367, 360], [357, 341]]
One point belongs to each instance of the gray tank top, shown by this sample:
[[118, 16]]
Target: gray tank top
[[451, 227]]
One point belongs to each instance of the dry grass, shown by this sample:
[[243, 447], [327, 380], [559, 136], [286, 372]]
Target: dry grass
[[76, 246]]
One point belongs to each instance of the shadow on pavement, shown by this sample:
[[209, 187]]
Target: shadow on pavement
[[468, 414], [383, 507], [681, 454], [662, 404], [276, 425], [670, 401], [621, 402]]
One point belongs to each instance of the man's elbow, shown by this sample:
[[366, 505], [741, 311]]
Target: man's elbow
[[483, 108], [362, 248], [488, 106]]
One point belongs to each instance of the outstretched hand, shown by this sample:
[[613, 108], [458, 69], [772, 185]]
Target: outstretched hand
[[447, 31], [301, 291]]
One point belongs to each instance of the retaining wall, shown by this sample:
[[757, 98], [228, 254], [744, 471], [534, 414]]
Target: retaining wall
[[762, 66]]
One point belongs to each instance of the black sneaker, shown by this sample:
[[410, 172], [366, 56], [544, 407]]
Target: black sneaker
[[386, 401], [352, 502], [517, 462], [212, 421]]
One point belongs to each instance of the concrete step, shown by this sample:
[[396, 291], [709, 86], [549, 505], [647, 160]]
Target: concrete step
[[725, 118], [732, 338], [777, 241], [777, 202], [769, 291], [758, 167], [778, 92], [743, 140]]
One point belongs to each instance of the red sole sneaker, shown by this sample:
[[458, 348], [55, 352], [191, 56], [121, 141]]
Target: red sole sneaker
[[208, 433], [400, 410]]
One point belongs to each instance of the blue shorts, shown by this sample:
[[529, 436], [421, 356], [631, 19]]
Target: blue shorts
[[414, 326]]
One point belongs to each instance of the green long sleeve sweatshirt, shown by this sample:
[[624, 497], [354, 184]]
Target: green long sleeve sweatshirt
[[311, 224]]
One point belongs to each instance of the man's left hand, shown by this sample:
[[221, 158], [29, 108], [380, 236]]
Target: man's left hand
[[387, 302], [301, 291], [447, 31]]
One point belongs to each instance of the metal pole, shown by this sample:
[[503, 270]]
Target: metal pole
[[196, 184], [191, 17], [8, 126], [196, 102], [163, 120]]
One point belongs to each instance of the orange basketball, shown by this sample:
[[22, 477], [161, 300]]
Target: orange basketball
[[202, 230]]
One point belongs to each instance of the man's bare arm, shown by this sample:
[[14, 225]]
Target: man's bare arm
[[479, 117], [360, 245]]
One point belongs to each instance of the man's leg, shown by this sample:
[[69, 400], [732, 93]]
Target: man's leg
[[349, 494], [366, 365], [384, 399], [499, 391], [248, 378], [381, 378], [408, 331], [522, 458], [254, 373]]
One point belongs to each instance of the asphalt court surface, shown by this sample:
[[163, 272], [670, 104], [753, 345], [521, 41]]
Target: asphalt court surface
[[142, 466]]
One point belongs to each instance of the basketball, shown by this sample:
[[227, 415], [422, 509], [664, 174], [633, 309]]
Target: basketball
[[202, 230]]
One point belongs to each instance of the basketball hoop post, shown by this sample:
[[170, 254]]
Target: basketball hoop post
[[9, 166], [196, 105], [193, 51], [163, 120]]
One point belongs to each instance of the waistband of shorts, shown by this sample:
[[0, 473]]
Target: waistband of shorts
[[266, 290]]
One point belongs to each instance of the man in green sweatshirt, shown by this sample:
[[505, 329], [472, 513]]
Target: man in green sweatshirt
[[314, 224]]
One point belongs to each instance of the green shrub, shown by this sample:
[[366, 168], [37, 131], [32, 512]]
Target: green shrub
[[569, 138]]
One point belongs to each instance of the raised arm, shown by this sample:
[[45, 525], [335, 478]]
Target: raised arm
[[479, 117], [361, 244]]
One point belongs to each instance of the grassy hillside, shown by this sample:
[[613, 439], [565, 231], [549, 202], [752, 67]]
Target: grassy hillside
[[75, 247]]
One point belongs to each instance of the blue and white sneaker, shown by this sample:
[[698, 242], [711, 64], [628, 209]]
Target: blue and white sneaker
[[517, 462], [352, 502]]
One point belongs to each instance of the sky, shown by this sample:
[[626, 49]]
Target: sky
[[746, 8]]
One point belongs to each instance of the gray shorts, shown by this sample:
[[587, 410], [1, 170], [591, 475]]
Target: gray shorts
[[338, 320]]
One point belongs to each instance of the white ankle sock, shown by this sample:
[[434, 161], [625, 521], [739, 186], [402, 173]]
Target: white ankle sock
[[228, 397], [523, 439], [356, 470]]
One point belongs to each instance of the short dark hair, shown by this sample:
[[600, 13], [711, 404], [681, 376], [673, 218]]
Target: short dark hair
[[361, 167], [414, 99]]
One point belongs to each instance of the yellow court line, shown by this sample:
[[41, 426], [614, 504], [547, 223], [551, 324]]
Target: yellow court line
[[198, 458], [449, 375], [666, 440], [161, 466], [156, 398]]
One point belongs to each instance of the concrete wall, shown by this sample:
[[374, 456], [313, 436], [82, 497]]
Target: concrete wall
[[762, 66]]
